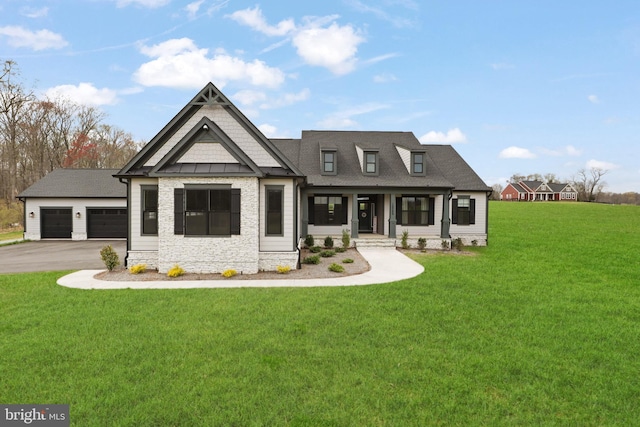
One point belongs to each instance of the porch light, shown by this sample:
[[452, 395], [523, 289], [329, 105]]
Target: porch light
[[77, 214], [31, 215]]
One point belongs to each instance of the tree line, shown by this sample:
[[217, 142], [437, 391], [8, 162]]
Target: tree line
[[40, 135]]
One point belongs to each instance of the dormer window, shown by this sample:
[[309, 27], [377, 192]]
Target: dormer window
[[329, 164], [417, 164], [370, 162]]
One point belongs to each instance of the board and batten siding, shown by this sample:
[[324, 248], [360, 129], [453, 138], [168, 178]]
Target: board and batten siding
[[286, 241], [138, 241], [79, 225]]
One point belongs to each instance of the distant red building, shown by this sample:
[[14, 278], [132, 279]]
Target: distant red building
[[527, 191]]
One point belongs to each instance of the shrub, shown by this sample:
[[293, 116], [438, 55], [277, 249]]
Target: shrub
[[328, 242], [313, 259], [336, 268], [404, 240], [340, 250], [444, 244], [309, 241], [315, 249], [138, 268], [347, 261], [422, 243], [175, 271], [346, 239], [457, 244], [327, 254], [229, 273], [474, 242], [283, 269], [110, 257]]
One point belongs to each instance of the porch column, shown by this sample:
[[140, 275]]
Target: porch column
[[355, 222], [446, 218], [392, 216], [305, 214]]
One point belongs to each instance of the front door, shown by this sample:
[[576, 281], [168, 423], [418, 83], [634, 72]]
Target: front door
[[365, 216]]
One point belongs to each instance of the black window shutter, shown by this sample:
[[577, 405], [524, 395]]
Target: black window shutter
[[345, 210], [235, 211], [311, 211], [178, 211], [454, 211], [399, 210], [472, 211], [432, 208]]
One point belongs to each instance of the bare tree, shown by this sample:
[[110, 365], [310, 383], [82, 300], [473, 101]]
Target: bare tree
[[589, 183], [497, 189]]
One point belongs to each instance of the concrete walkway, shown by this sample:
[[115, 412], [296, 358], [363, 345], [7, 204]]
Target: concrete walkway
[[387, 265]]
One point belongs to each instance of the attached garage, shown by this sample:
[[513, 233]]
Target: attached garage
[[76, 204], [56, 223], [106, 223]]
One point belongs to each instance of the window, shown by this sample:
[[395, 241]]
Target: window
[[415, 210], [463, 211], [274, 199], [329, 162], [417, 163], [370, 162], [207, 212], [150, 210], [327, 210]]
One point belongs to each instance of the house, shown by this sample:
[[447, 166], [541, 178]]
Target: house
[[538, 191], [76, 204], [210, 192]]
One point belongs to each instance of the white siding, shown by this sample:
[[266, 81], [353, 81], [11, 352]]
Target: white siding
[[286, 241], [245, 141], [405, 155], [477, 231], [138, 241], [421, 231], [207, 152], [79, 225]]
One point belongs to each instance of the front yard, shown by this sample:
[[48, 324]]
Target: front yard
[[540, 328]]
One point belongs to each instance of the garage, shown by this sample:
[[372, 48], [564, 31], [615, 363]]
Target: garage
[[106, 223], [56, 223]]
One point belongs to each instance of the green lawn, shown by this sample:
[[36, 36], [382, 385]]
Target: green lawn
[[540, 328], [11, 235]]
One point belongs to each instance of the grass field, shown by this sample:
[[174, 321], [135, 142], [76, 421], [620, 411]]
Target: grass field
[[540, 328]]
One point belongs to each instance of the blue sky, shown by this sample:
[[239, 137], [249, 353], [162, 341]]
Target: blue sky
[[517, 86]]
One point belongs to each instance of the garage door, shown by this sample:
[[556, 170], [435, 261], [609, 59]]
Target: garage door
[[55, 223], [109, 223]]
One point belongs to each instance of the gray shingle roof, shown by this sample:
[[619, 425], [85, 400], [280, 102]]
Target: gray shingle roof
[[444, 166], [80, 183]]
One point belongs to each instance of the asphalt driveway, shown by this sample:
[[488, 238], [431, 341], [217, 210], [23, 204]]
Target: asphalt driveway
[[49, 255]]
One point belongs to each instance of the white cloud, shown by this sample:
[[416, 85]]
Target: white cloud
[[193, 8], [451, 137], [319, 41], [84, 93], [334, 47], [384, 78], [254, 19], [249, 97], [572, 151], [598, 164], [36, 40], [180, 63], [151, 4], [271, 131], [287, 99], [32, 12], [343, 119], [516, 153], [569, 150], [593, 99]]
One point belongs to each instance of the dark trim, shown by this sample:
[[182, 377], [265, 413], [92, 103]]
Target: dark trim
[[178, 211], [143, 188], [268, 188]]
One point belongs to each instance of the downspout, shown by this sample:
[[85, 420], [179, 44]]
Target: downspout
[[24, 215], [126, 182], [486, 216]]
